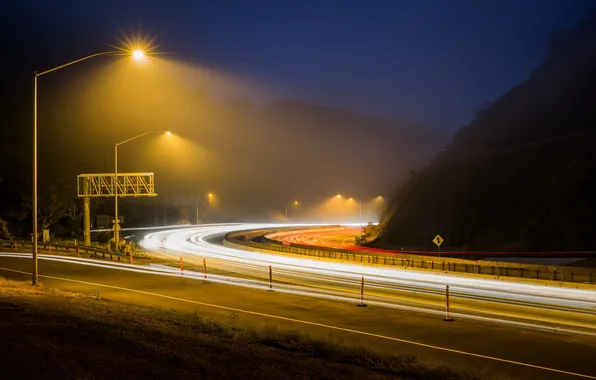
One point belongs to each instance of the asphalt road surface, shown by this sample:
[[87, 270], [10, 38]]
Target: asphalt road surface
[[398, 324], [535, 304], [342, 237]]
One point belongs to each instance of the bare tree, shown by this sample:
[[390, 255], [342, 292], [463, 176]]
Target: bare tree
[[51, 208], [73, 212]]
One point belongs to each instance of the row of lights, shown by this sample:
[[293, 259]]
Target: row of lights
[[137, 55]]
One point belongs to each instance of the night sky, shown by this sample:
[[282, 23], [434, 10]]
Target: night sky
[[433, 62]]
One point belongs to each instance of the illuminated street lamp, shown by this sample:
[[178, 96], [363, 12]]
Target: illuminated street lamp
[[137, 54], [295, 203], [209, 200], [379, 198], [116, 184], [360, 203]]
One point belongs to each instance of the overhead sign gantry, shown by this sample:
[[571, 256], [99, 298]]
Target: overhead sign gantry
[[109, 185]]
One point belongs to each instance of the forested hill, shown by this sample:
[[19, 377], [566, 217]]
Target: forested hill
[[522, 174]]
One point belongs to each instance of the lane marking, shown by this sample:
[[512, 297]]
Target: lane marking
[[338, 328], [325, 293]]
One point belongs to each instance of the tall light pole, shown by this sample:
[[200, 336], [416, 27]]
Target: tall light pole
[[117, 184], [137, 54]]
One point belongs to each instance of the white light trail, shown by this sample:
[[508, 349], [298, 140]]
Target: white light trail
[[391, 284]]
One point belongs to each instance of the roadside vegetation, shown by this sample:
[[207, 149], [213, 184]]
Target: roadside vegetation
[[49, 333]]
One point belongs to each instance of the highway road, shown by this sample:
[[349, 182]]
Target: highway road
[[501, 350], [342, 237], [533, 305], [529, 324]]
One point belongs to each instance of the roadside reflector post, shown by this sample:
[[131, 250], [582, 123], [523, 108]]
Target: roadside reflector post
[[447, 316], [362, 304], [270, 279], [205, 268], [181, 266]]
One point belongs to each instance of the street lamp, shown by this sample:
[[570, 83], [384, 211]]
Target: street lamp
[[360, 203], [116, 184], [209, 199], [379, 198], [295, 203], [135, 55], [138, 55]]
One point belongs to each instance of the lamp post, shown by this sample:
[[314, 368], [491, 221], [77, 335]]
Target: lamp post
[[295, 203], [209, 199], [137, 54], [360, 204], [117, 184]]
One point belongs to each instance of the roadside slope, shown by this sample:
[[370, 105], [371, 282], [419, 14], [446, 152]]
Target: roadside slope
[[48, 333], [522, 175]]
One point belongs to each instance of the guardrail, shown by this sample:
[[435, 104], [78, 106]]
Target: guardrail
[[480, 267], [51, 246]]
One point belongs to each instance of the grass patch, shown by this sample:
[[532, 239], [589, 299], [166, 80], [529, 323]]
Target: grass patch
[[69, 335]]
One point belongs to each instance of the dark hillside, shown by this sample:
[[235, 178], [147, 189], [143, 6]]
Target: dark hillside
[[522, 175]]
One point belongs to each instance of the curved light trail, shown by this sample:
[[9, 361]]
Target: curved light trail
[[472, 297]]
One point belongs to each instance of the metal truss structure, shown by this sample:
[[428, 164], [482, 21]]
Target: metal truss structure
[[104, 185], [108, 185]]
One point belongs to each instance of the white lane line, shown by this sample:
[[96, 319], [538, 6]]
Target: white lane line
[[332, 327]]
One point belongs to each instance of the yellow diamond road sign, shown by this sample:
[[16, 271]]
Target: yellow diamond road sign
[[438, 240]]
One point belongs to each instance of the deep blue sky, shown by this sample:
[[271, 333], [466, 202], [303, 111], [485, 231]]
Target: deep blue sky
[[433, 62]]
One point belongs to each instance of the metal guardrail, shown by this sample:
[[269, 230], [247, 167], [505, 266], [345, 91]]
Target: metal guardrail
[[492, 268], [93, 251]]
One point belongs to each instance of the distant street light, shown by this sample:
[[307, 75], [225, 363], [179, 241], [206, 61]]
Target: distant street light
[[116, 185], [360, 203], [137, 54], [209, 199], [295, 203], [379, 198]]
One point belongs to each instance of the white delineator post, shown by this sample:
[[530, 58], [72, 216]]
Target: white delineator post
[[447, 316], [362, 304]]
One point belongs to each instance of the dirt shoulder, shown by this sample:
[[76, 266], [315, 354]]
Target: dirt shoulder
[[50, 334]]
